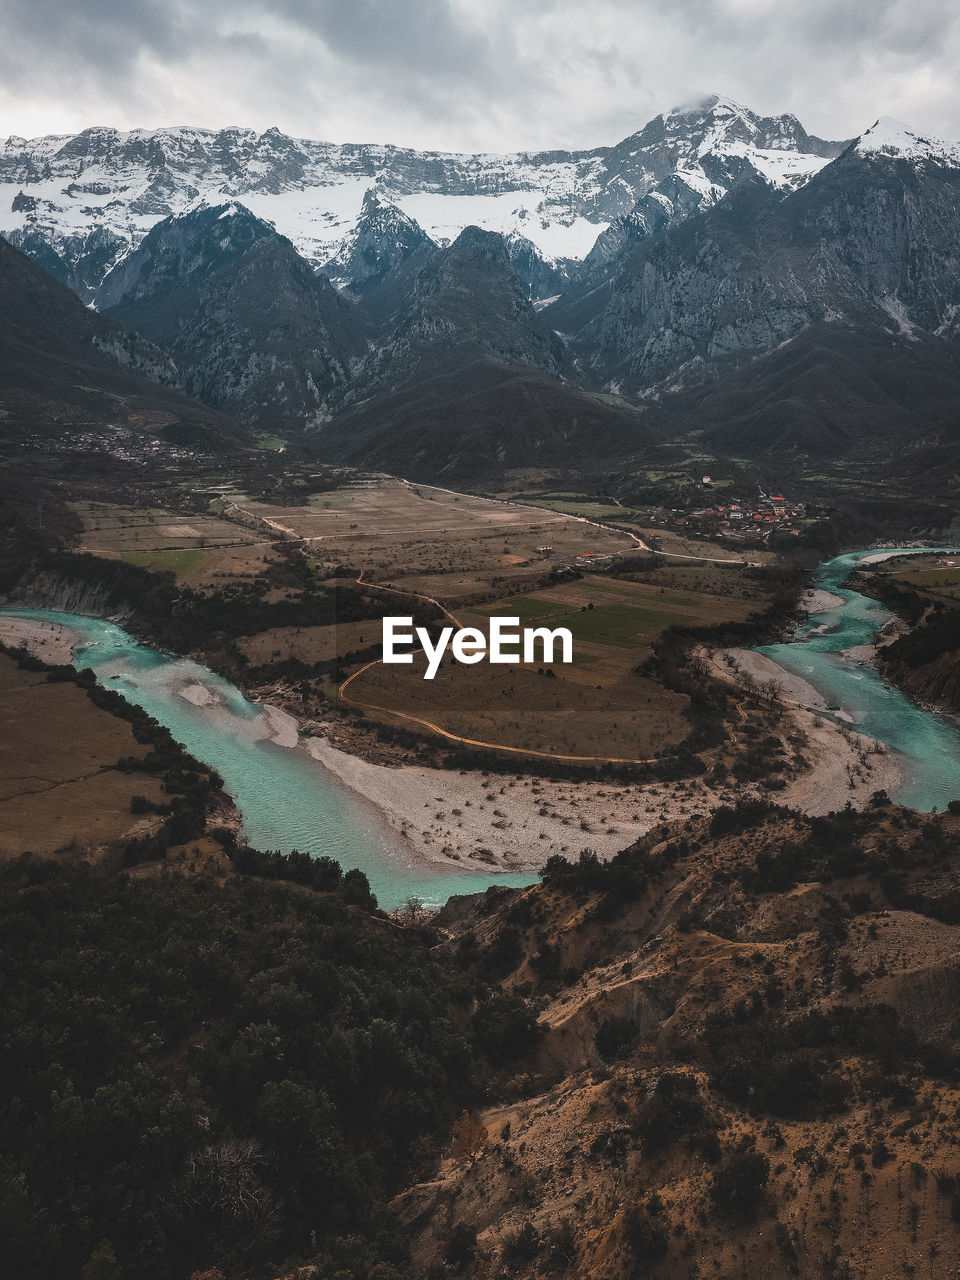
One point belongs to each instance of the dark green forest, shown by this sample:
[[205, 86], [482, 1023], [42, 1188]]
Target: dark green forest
[[231, 1072]]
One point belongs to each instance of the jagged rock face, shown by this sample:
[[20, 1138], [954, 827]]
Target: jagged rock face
[[671, 202], [80, 261], [65, 369], [466, 302], [869, 241], [693, 155], [56, 191], [252, 328], [538, 277], [182, 251], [383, 239]]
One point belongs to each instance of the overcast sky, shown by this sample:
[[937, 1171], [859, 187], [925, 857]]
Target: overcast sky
[[472, 74]]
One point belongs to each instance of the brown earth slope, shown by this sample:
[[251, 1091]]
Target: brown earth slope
[[744, 1061]]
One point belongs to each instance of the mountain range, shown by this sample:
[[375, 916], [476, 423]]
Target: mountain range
[[81, 203], [719, 275]]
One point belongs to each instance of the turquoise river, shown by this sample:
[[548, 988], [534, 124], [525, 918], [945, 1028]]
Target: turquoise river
[[287, 800], [928, 745]]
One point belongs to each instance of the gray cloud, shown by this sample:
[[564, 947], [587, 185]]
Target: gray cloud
[[471, 74]]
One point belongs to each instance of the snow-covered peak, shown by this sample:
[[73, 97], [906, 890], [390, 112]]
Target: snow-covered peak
[[715, 104], [382, 237], [81, 203], [890, 137]]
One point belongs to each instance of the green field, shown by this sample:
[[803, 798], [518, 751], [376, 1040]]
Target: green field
[[616, 624], [265, 440], [664, 597], [571, 507], [528, 607], [182, 562], [621, 624]]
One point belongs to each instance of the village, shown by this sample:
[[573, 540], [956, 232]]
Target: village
[[739, 519], [120, 445]]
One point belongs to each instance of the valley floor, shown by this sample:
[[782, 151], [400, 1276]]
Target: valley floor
[[511, 821]]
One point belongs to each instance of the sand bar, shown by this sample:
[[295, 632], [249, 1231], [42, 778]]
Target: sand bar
[[510, 821], [48, 641], [818, 601]]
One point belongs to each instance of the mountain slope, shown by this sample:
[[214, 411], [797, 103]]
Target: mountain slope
[[870, 240], [474, 423], [834, 391], [252, 328], [65, 370], [380, 242], [463, 301], [463, 381], [733, 1051]]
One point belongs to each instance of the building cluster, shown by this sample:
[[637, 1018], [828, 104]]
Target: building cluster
[[587, 562], [134, 448], [742, 517]]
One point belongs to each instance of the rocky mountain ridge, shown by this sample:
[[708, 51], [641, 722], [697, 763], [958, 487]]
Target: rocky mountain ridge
[[80, 204], [66, 372], [253, 330], [868, 241], [770, 293]]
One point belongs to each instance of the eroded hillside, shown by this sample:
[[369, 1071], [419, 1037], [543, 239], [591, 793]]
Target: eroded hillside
[[731, 1052]]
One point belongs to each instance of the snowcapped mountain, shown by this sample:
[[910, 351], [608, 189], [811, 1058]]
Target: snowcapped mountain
[[888, 137], [823, 318], [78, 205], [382, 238]]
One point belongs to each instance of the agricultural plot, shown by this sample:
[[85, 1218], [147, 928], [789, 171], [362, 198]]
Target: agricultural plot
[[595, 709], [432, 540], [588, 507], [928, 574], [598, 706], [477, 557], [197, 548], [54, 785]]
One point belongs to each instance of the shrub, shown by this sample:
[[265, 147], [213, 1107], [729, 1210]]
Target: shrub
[[614, 1037], [740, 1184], [646, 1237], [461, 1246], [505, 1028]]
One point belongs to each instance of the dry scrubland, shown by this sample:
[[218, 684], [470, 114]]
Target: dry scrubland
[[58, 783], [739, 1060]]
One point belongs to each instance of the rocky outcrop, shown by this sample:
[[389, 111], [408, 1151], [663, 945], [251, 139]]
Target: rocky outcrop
[[868, 242], [252, 329], [47, 590], [383, 239]]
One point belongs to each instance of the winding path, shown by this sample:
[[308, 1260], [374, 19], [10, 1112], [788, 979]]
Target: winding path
[[348, 700], [344, 697]]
